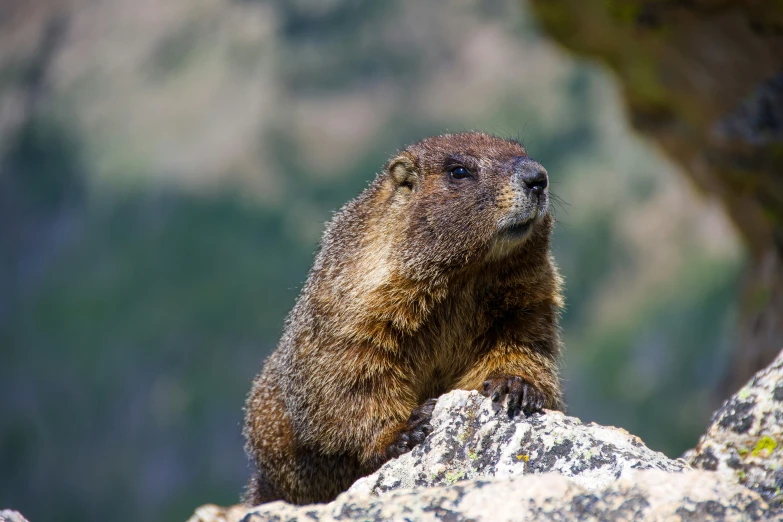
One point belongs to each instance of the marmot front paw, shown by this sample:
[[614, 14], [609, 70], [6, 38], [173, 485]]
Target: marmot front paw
[[521, 394], [415, 431]]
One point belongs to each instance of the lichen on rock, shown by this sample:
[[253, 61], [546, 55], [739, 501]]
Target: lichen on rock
[[475, 438], [743, 442], [640, 495], [479, 464]]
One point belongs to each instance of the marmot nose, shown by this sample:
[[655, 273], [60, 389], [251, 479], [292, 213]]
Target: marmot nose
[[534, 178], [530, 175]]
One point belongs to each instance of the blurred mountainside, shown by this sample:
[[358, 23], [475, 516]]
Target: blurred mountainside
[[165, 172]]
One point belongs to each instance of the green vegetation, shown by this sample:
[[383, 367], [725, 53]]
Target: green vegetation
[[766, 445]]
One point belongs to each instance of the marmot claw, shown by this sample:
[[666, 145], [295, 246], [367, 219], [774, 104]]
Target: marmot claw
[[522, 396], [415, 431]]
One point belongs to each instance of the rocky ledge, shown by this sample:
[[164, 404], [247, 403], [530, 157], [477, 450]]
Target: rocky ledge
[[478, 464], [8, 515], [743, 442], [473, 438], [655, 495]]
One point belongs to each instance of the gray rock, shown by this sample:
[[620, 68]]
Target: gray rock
[[480, 465], [473, 438], [9, 515], [744, 442], [213, 513], [640, 495]]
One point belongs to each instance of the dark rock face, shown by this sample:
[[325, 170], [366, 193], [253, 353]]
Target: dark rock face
[[758, 120], [744, 441], [704, 80]]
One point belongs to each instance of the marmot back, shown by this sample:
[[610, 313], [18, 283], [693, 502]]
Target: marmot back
[[437, 277]]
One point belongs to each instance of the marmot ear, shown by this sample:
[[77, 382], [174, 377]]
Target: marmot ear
[[403, 173]]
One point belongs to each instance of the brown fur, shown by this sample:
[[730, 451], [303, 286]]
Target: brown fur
[[416, 291]]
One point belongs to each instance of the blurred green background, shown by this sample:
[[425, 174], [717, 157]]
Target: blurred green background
[[166, 168]]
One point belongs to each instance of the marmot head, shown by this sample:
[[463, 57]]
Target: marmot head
[[463, 199]]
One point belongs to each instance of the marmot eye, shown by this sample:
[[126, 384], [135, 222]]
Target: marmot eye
[[459, 172]]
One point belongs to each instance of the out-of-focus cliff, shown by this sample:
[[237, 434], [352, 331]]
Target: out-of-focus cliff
[[704, 80]]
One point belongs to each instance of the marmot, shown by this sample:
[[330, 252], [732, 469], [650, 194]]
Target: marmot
[[437, 277]]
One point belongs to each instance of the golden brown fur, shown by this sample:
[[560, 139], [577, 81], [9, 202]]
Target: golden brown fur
[[422, 285]]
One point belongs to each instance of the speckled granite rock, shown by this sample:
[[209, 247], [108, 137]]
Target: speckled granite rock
[[8, 515], [744, 443], [473, 439], [480, 465], [213, 513], [640, 495]]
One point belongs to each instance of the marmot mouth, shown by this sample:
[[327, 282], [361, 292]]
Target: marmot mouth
[[517, 230]]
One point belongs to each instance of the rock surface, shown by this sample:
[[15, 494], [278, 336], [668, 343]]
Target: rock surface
[[9, 515], [743, 443], [473, 438], [649, 495], [480, 465]]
